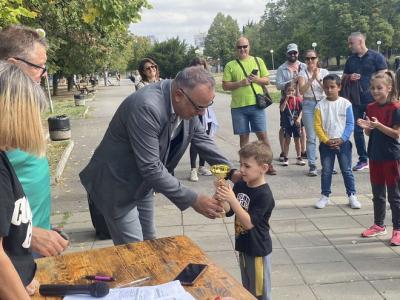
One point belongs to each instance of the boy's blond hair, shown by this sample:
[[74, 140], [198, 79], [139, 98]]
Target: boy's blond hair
[[259, 150], [21, 101]]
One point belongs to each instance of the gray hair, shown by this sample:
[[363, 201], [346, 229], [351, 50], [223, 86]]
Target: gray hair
[[191, 76], [357, 34], [18, 41]]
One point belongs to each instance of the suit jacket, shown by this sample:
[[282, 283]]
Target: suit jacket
[[132, 157]]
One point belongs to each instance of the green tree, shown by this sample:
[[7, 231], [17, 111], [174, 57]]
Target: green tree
[[11, 11], [221, 38], [171, 56], [141, 46]]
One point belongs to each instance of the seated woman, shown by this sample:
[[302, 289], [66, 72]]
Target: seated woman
[[149, 72], [20, 127]]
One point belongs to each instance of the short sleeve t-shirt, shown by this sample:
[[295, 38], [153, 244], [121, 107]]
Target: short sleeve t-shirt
[[292, 110], [244, 96], [259, 203], [15, 222], [366, 65], [381, 146]]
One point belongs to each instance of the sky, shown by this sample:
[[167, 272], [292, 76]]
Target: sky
[[185, 18]]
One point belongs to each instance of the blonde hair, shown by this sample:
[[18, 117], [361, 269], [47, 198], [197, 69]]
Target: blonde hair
[[259, 150], [388, 78], [21, 101]]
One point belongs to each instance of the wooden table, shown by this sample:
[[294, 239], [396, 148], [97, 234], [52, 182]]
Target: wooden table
[[162, 259]]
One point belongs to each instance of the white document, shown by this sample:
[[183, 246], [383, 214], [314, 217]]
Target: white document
[[169, 291]]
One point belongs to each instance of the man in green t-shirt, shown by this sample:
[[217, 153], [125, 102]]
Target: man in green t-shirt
[[246, 116]]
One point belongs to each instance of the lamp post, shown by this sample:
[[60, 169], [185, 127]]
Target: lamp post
[[272, 54], [314, 45], [218, 65], [379, 44]]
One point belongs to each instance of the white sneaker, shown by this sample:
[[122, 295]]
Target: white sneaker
[[204, 171], [322, 202], [353, 202], [193, 175]]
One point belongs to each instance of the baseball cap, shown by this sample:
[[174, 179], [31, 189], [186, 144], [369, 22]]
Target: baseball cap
[[292, 47]]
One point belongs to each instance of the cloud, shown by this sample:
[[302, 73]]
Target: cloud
[[171, 18]]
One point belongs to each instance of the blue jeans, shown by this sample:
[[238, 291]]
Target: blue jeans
[[358, 112], [328, 161], [308, 121]]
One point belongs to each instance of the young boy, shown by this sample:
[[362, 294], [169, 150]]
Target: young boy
[[251, 201], [292, 111], [334, 124]]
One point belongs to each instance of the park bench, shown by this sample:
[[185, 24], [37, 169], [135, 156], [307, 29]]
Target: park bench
[[84, 89]]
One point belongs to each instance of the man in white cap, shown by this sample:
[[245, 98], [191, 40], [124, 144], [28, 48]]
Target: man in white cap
[[286, 73]]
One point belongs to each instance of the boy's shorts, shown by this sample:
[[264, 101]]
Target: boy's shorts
[[256, 274], [291, 131], [248, 119]]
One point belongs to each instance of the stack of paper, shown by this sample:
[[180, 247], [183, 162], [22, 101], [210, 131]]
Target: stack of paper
[[168, 291]]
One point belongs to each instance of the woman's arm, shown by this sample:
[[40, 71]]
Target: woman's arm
[[304, 85], [11, 287]]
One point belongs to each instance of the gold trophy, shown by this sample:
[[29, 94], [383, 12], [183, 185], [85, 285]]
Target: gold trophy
[[220, 172]]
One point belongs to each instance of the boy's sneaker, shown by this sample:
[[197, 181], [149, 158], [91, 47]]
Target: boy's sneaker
[[360, 166], [193, 175], [285, 162], [281, 157], [312, 172], [204, 171], [395, 240], [300, 161], [322, 202], [304, 155], [374, 230], [353, 202]]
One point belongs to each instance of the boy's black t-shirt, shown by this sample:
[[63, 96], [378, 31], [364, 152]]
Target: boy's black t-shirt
[[15, 222], [259, 203]]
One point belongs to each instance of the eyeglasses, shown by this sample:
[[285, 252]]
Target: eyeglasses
[[154, 67], [197, 107], [44, 69], [292, 53], [242, 47], [311, 58]]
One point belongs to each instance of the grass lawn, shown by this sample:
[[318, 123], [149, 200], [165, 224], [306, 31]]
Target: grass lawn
[[65, 107], [54, 151]]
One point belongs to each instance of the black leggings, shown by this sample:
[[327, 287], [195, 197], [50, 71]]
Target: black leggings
[[193, 152]]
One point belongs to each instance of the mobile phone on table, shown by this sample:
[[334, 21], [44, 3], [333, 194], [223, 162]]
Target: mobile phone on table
[[191, 273], [254, 72]]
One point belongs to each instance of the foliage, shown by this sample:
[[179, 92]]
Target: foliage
[[11, 12], [171, 56], [140, 47], [221, 38]]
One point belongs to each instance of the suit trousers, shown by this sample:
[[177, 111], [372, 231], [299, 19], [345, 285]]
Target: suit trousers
[[136, 225]]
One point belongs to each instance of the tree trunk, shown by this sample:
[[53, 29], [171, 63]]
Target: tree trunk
[[338, 61], [55, 84], [70, 83]]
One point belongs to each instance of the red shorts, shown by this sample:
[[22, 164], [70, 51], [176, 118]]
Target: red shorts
[[384, 172]]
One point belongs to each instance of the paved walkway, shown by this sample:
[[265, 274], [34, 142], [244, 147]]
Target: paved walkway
[[318, 254]]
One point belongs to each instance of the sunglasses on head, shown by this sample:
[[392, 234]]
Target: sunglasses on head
[[311, 58], [154, 67], [242, 47]]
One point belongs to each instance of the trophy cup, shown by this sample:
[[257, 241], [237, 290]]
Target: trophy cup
[[220, 172]]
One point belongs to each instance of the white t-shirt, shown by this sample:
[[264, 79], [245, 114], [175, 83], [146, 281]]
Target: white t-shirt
[[319, 92]]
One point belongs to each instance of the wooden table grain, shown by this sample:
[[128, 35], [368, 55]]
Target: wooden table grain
[[162, 259]]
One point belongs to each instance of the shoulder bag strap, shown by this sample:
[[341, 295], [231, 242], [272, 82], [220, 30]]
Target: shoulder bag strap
[[245, 74], [312, 89], [264, 87]]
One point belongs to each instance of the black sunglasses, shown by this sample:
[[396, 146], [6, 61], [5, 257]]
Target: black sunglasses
[[242, 47], [311, 58], [197, 107], [44, 69], [292, 53]]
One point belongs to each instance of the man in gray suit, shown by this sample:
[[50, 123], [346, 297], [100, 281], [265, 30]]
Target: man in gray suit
[[144, 142]]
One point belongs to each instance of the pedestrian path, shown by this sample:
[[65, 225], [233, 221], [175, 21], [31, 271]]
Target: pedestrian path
[[317, 254]]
